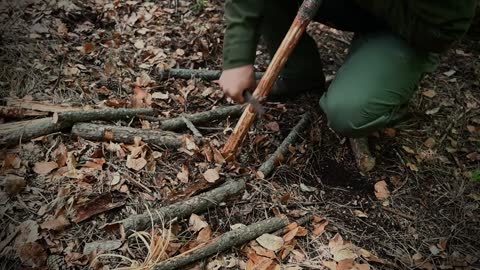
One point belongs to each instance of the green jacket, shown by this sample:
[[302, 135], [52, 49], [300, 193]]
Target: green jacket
[[433, 25]]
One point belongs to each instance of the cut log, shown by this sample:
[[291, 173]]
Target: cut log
[[230, 239], [17, 132], [95, 132], [208, 75], [305, 14], [268, 166], [179, 210], [202, 117]]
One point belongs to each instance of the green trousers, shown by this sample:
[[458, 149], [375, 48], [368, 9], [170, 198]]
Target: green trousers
[[379, 76]]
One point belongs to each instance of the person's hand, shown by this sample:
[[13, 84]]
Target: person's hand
[[236, 80]]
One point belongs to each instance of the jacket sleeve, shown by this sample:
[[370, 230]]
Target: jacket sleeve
[[439, 24], [242, 18]]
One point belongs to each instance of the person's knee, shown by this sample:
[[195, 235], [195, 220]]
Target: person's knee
[[347, 117]]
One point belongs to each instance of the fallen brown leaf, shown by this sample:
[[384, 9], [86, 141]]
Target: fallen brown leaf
[[319, 228], [12, 161], [197, 223], [211, 175], [136, 164], [429, 143], [29, 232], [44, 168], [14, 184], [270, 241], [429, 93], [381, 190], [290, 235], [32, 254], [98, 205], [205, 234], [183, 175], [273, 126], [57, 224]]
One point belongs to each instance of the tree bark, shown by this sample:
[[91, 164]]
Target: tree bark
[[363, 157], [202, 117], [268, 166], [197, 204], [16, 132], [230, 239], [306, 12], [96, 132], [208, 75]]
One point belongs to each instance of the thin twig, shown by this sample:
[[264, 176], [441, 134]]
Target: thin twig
[[398, 213], [192, 127]]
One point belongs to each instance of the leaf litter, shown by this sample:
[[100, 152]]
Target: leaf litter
[[94, 63]]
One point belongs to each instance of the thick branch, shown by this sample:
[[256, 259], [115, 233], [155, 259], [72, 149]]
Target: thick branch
[[208, 75], [96, 132], [202, 117], [14, 133], [197, 204], [230, 239], [268, 166]]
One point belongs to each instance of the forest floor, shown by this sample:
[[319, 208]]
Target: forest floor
[[418, 209]]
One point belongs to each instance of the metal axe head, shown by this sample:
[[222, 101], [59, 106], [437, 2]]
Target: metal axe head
[[257, 106]]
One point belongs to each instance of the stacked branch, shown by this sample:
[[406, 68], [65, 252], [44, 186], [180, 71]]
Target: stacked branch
[[268, 166], [18, 132], [228, 240], [194, 205]]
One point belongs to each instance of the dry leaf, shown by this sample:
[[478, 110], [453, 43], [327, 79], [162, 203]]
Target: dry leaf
[[273, 126], [270, 241], [429, 93], [139, 44], [58, 224], [136, 163], [205, 234], [61, 155], [11, 161], [474, 156], [346, 264], [370, 257], [14, 184], [160, 95], [432, 111], [381, 190], [44, 168], [429, 143], [28, 233], [32, 254], [330, 265], [211, 175], [183, 175], [88, 48], [341, 250], [412, 167], [319, 229], [261, 251], [101, 246], [97, 206], [197, 223], [361, 266], [290, 235], [408, 150], [360, 214]]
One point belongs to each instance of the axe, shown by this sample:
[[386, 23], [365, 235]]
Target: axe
[[304, 16]]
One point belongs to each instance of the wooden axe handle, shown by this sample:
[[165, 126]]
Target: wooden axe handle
[[304, 16]]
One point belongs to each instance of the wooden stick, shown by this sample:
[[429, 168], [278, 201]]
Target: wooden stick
[[305, 14], [16, 132], [230, 239], [268, 166], [18, 113], [197, 204], [208, 75], [96, 132], [202, 117], [363, 157], [192, 127]]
